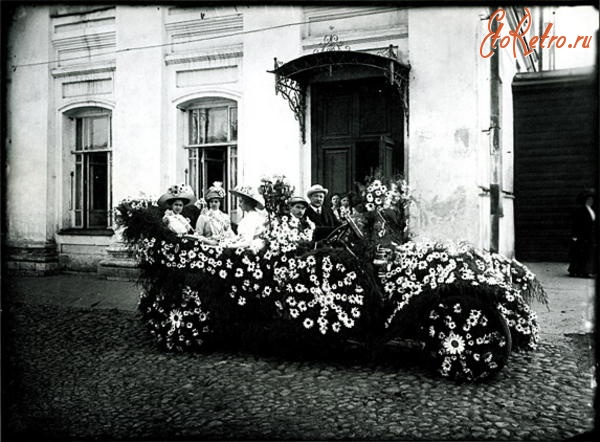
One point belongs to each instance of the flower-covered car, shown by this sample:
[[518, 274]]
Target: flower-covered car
[[467, 308]]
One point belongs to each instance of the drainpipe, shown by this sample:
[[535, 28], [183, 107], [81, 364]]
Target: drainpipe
[[495, 148]]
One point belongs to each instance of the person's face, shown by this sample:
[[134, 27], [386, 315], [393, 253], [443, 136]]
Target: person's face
[[335, 200], [177, 207], [298, 210], [214, 203], [317, 199], [246, 205], [589, 201], [345, 201]]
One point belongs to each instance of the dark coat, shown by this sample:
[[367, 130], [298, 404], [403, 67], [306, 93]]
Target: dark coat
[[325, 219], [582, 251], [324, 222], [583, 226]]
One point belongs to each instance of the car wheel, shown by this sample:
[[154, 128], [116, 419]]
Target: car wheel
[[466, 339]]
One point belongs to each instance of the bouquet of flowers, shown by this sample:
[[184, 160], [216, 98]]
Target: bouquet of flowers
[[140, 218], [385, 202], [276, 191]]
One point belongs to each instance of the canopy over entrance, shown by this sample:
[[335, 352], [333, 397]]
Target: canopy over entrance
[[293, 77]]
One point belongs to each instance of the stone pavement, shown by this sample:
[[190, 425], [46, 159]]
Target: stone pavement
[[80, 366]]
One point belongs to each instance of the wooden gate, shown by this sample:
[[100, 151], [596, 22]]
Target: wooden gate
[[555, 157]]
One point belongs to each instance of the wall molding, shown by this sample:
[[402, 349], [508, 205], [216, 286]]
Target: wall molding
[[86, 41], [216, 25], [232, 53], [87, 71]]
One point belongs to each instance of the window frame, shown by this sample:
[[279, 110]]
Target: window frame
[[81, 155], [196, 152]]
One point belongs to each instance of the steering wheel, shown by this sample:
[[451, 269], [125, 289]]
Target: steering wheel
[[339, 232]]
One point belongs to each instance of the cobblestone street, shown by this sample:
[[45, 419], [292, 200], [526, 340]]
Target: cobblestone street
[[81, 373]]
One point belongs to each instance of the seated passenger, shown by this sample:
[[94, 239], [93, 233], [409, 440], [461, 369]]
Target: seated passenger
[[214, 226], [335, 206], [174, 200], [346, 206], [321, 215], [298, 207], [252, 225]]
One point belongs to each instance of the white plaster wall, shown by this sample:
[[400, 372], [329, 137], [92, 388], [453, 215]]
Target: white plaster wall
[[445, 133], [269, 137], [506, 243], [28, 127], [140, 162]]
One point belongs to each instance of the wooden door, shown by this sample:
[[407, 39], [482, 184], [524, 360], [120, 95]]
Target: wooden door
[[355, 131]]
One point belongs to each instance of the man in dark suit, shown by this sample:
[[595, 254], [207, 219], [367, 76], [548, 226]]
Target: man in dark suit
[[582, 254], [323, 217]]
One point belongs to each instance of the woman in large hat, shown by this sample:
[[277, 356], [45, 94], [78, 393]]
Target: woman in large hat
[[176, 197], [214, 226], [252, 224]]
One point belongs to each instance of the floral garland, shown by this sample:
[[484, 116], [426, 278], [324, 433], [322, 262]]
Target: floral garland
[[467, 348], [246, 275], [177, 323], [319, 294], [287, 234], [195, 292], [420, 268]]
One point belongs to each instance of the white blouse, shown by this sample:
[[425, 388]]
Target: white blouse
[[250, 228]]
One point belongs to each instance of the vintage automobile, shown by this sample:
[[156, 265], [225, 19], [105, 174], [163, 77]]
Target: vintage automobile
[[465, 308]]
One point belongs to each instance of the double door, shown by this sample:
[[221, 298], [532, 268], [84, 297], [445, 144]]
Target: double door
[[356, 133]]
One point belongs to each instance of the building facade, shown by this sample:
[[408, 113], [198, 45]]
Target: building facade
[[107, 102]]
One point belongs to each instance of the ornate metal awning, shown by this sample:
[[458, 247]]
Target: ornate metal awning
[[292, 78]]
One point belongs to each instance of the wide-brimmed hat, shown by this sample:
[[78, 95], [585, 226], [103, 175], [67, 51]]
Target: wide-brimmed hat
[[181, 192], [297, 200], [249, 192], [315, 188], [215, 191]]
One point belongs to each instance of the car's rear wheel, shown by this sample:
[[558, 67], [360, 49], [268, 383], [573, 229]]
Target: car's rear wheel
[[466, 339]]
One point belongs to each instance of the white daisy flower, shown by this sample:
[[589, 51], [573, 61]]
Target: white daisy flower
[[308, 323], [454, 344], [175, 318]]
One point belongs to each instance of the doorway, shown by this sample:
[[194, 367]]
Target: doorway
[[357, 131]]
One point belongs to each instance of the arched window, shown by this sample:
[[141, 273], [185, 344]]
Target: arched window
[[89, 140], [211, 141]]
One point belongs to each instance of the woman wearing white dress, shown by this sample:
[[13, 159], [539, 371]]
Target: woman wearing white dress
[[214, 226], [252, 225], [176, 197]]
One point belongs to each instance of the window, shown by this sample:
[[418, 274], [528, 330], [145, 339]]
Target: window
[[91, 174], [211, 141]]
